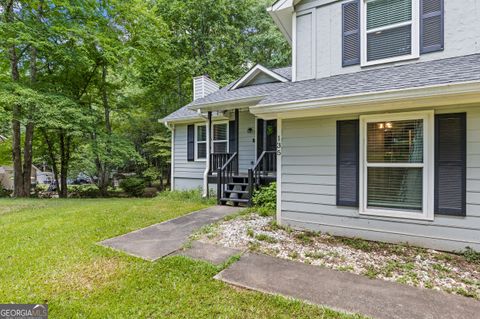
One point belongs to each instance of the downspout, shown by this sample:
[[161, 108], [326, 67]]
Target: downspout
[[205, 193], [171, 128]]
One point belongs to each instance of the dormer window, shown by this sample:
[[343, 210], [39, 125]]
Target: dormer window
[[390, 31]]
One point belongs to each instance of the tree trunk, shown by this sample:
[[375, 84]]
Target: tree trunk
[[53, 161], [18, 189], [65, 147], [103, 169], [28, 158], [30, 127]]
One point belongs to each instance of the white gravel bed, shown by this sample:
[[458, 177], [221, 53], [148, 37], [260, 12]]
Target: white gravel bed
[[401, 263]]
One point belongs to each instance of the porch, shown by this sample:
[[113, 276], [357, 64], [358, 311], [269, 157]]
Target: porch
[[239, 172]]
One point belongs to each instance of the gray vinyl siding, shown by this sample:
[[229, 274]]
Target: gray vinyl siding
[[262, 78], [309, 190], [461, 34], [305, 46], [187, 175], [246, 145], [203, 86]]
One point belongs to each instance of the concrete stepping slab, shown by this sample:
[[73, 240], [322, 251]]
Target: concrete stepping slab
[[208, 252], [346, 291], [160, 240]]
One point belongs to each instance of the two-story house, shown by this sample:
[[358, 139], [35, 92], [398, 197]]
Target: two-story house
[[374, 131]]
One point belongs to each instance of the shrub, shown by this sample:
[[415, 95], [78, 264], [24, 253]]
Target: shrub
[[83, 191], [150, 192], [471, 255], [150, 175], [5, 192], [266, 198], [133, 186]]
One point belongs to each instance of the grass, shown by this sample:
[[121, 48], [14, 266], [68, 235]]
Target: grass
[[49, 253], [266, 238], [472, 255]]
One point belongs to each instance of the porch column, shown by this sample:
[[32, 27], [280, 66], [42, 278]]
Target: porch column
[[237, 137], [264, 135]]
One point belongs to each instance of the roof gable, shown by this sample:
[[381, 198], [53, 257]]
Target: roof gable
[[259, 75]]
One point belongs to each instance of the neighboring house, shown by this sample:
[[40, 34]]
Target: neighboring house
[[374, 132], [45, 177], [6, 173], [6, 176]]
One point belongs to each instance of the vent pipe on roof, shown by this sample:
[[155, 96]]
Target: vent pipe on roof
[[203, 86]]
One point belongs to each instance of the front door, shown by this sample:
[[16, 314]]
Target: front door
[[266, 136]]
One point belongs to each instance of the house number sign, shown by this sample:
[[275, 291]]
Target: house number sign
[[279, 145]]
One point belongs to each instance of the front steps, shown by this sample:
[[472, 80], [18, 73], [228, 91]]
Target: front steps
[[237, 192]]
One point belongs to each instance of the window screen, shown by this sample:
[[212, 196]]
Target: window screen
[[395, 160], [220, 138], [389, 28], [201, 142]]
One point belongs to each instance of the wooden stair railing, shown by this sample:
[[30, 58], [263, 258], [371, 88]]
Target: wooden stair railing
[[217, 160], [225, 175]]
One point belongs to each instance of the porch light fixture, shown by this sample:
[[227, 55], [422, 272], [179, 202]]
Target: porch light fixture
[[250, 130]]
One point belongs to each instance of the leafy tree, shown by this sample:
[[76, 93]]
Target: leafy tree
[[83, 83], [158, 151]]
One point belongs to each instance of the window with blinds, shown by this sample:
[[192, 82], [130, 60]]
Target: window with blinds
[[201, 142], [390, 145], [395, 165], [390, 30], [220, 138]]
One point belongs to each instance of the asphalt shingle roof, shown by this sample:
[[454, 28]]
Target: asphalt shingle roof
[[421, 74], [227, 95]]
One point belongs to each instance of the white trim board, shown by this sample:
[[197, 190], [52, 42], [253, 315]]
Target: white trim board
[[415, 35], [279, 171], [212, 141], [428, 165], [256, 70], [420, 97]]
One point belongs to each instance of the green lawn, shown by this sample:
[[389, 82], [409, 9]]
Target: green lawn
[[48, 253]]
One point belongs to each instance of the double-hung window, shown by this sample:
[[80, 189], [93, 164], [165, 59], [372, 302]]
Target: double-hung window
[[219, 139], [200, 142], [396, 165], [390, 31]]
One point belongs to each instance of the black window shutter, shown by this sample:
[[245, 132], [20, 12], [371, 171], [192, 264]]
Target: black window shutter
[[191, 143], [351, 33], [451, 164], [348, 158], [431, 26], [232, 137]]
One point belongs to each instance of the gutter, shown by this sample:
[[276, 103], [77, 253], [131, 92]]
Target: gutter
[[171, 128], [207, 162], [414, 97], [227, 105]]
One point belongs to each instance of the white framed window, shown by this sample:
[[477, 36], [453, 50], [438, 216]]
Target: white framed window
[[220, 138], [200, 142], [389, 31], [397, 165]]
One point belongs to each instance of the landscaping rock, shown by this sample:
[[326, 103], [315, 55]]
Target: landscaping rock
[[396, 263]]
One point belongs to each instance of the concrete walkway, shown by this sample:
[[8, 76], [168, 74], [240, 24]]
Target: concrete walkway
[[208, 252], [163, 239], [345, 291]]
